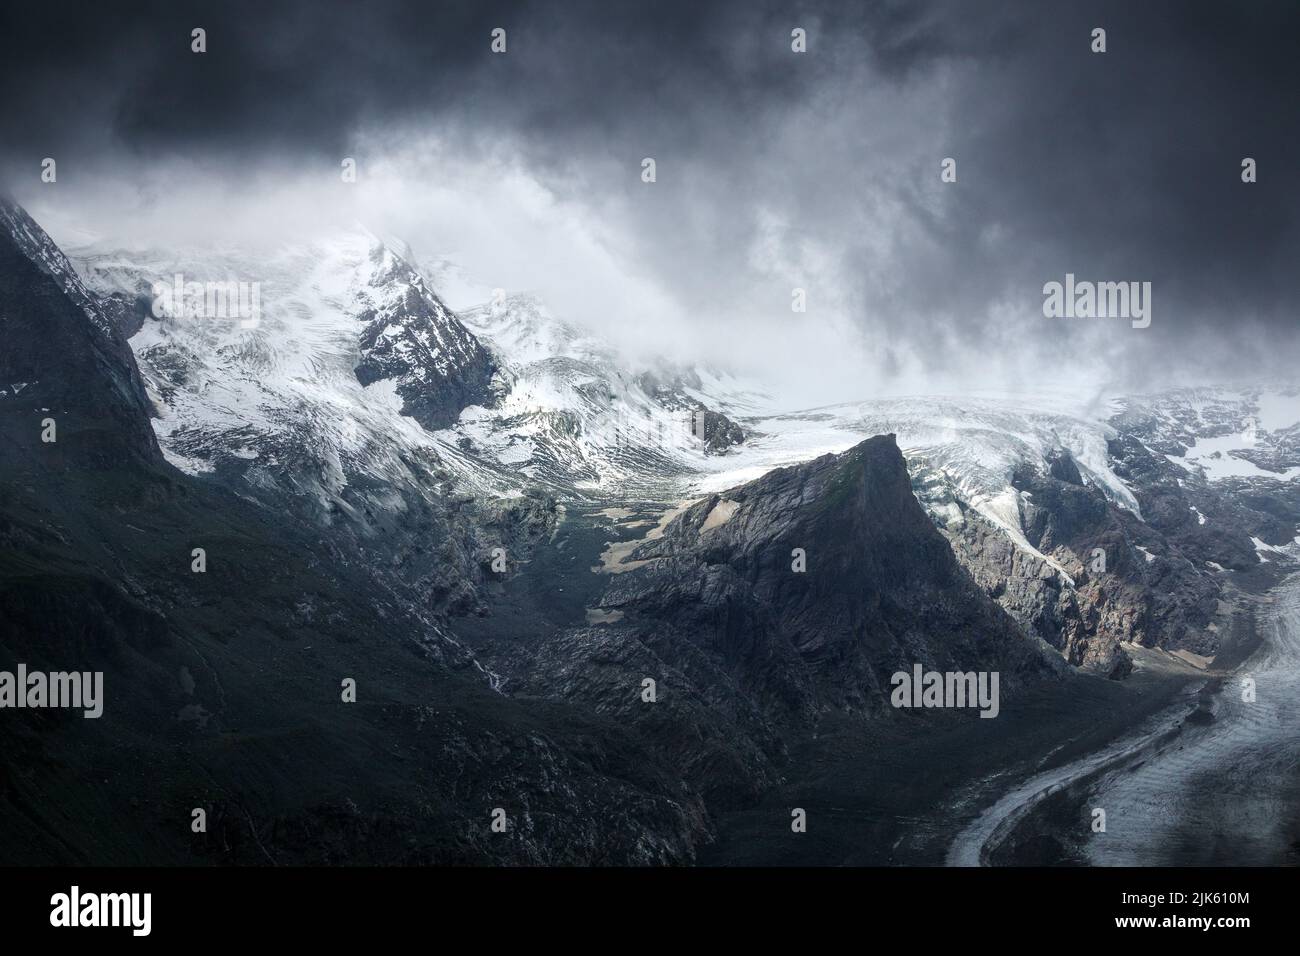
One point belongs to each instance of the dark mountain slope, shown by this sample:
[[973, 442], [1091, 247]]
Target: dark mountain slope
[[880, 592], [222, 688], [749, 654], [61, 360]]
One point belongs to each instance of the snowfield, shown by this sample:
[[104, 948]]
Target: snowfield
[[281, 404]]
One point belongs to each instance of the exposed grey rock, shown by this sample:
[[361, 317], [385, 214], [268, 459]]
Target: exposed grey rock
[[881, 590], [410, 337], [716, 430]]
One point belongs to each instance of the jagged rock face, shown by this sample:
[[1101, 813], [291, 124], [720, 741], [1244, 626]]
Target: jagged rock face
[[1026, 586], [62, 360], [1100, 578], [1062, 467], [1210, 522], [321, 409], [412, 339], [1041, 599], [314, 395], [1187, 479], [881, 590], [718, 432], [748, 654], [1215, 466]]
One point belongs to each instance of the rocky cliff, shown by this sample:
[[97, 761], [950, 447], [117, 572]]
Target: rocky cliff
[[761, 610]]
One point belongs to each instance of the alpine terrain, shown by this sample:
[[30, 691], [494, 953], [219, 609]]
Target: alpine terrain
[[366, 570]]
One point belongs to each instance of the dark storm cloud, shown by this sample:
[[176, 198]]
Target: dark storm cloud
[[1123, 165], [1127, 166], [302, 75]]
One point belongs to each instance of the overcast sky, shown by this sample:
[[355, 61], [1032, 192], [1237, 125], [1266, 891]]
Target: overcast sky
[[775, 169]]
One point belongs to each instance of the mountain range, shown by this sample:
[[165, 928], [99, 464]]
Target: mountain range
[[627, 602]]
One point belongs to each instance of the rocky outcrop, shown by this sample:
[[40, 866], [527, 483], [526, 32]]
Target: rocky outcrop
[[1072, 615], [718, 432], [761, 610], [1209, 522], [831, 569], [412, 339], [1095, 576]]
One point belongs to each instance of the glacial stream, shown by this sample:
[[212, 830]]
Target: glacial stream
[[1223, 792]]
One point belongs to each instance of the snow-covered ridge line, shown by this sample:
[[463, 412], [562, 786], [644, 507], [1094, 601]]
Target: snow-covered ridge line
[[43, 251], [356, 369], [281, 403], [340, 384], [974, 444]]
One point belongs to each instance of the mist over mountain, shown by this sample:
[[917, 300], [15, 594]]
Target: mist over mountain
[[776, 170], [716, 434]]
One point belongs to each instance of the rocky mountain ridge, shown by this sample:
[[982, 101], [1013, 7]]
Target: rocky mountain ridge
[[472, 516]]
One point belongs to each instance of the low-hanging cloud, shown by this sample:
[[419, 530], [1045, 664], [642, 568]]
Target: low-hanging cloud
[[775, 170]]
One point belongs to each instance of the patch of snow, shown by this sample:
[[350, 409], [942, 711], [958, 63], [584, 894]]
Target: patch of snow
[[1279, 411], [1213, 457], [191, 466], [1262, 549]]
